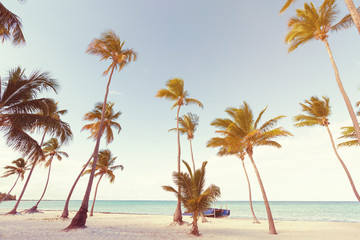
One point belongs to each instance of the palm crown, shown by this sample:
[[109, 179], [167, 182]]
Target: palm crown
[[105, 165], [176, 92], [188, 124], [241, 126], [109, 121], [348, 133], [19, 168], [10, 26], [51, 150], [229, 144], [317, 112], [109, 46], [21, 110], [312, 23]]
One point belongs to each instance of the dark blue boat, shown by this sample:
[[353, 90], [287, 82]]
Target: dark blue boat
[[213, 212]]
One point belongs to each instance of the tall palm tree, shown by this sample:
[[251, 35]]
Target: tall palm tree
[[348, 133], [188, 124], [242, 125], [109, 122], [19, 107], [52, 125], [316, 113], [104, 167], [353, 17], [19, 169], [51, 150], [194, 196], [312, 23], [175, 92], [10, 26], [231, 145], [110, 47]]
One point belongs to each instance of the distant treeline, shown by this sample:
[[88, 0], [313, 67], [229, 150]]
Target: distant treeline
[[10, 197]]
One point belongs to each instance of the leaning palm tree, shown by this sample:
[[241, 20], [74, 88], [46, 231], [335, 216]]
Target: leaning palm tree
[[53, 126], [109, 123], [316, 113], [19, 169], [348, 133], [193, 195], [10, 26], [188, 124], [110, 47], [19, 108], [51, 150], [353, 17], [242, 125], [104, 167], [176, 93], [231, 145], [315, 23]]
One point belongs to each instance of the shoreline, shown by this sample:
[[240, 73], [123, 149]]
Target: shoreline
[[49, 225]]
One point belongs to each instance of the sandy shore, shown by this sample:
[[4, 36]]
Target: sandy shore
[[47, 225]]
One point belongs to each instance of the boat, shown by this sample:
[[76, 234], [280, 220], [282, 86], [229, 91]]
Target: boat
[[212, 212]]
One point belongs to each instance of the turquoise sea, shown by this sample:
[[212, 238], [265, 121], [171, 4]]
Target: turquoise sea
[[281, 210]]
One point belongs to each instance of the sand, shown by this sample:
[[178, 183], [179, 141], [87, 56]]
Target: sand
[[47, 225]]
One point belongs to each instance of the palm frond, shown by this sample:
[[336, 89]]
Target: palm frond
[[286, 5]]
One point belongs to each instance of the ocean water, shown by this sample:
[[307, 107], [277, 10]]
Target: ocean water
[[281, 210]]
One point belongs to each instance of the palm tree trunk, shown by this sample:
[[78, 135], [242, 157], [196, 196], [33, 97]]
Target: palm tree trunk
[[80, 218], [354, 13], [13, 211], [34, 208], [343, 93], [195, 230], [47, 182], [255, 220], [65, 213], [272, 229], [178, 215], [192, 156], [343, 165], [10, 190], [93, 204]]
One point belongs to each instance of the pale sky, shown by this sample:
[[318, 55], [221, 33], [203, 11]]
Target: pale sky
[[227, 52]]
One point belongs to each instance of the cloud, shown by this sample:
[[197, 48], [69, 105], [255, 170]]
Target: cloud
[[112, 92]]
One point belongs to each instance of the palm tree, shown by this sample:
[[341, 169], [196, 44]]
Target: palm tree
[[241, 124], [176, 93], [316, 113], [10, 26], [348, 133], [51, 150], [353, 17], [110, 47], [109, 122], [19, 169], [312, 23], [193, 196], [104, 166], [52, 125], [231, 145], [19, 108], [188, 124]]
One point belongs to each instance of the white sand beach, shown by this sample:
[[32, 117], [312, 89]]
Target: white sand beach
[[47, 225]]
